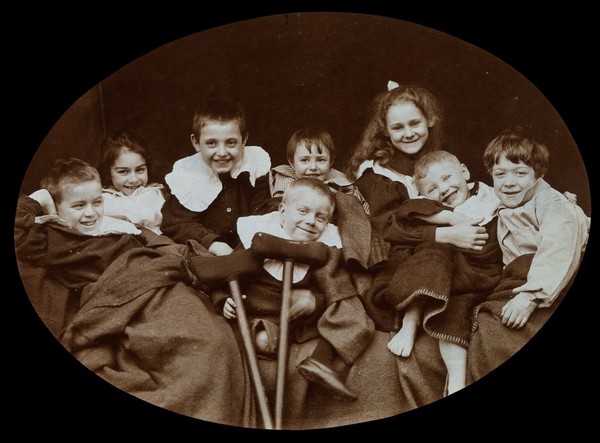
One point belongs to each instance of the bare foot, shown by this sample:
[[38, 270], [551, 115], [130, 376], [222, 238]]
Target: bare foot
[[402, 343]]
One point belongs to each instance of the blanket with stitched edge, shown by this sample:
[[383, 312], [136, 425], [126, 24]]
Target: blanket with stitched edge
[[492, 343], [450, 282]]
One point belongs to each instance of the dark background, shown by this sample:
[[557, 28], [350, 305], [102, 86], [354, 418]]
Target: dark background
[[55, 66], [290, 70]]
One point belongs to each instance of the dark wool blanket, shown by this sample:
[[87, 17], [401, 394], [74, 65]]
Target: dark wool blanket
[[167, 346], [386, 385], [448, 282], [492, 343], [361, 243], [145, 331]]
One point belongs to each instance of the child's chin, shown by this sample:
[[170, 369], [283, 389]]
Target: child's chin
[[222, 168], [304, 238], [511, 202], [87, 230]]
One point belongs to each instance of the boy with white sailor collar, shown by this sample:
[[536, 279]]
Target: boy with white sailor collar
[[212, 188]]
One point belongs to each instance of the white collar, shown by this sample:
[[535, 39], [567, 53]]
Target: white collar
[[109, 225], [196, 185], [483, 204]]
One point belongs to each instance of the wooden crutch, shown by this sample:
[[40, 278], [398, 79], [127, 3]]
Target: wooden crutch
[[229, 268], [289, 251]]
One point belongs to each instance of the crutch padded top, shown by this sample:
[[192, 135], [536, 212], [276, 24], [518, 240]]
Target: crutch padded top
[[313, 253], [215, 269]]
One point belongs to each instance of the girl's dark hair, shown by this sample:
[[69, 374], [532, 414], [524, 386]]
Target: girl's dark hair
[[219, 110], [112, 147], [309, 136], [67, 171], [517, 146], [375, 144]]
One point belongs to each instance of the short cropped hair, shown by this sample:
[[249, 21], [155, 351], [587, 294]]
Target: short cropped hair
[[312, 184], [422, 165], [67, 171], [309, 136], [222, 111], [517, 146]]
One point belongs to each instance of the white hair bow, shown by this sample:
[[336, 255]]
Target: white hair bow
[[392, 85]]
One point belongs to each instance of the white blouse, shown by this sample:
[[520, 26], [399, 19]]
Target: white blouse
[[142, 208]]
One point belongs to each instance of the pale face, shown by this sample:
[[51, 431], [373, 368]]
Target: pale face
[[82, 206], [407, 127], [512, 181], [446, 182], [129, 172], [309, 163], [305, 215], [221, 145]]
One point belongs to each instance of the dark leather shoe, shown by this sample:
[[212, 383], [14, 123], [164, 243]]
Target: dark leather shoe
[[317, 372]]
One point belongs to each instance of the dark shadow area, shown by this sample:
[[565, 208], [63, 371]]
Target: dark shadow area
[[292, 70]]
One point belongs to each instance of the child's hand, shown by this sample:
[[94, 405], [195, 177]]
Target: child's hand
[[219, 248], [302, 303], [229, 308], [516, 311], [464, 235], [43, 197]]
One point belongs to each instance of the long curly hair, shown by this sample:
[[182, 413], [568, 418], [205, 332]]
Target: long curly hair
[[375, 144]]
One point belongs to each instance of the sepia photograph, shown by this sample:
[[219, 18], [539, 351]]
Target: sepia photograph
[[301, 220]]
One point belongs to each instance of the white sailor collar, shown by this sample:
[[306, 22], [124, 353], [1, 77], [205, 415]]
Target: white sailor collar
[[270, 223], [484, 203], [196, 185], [109, 225]]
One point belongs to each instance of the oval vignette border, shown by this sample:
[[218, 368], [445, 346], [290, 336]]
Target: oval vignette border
[[52, 112]]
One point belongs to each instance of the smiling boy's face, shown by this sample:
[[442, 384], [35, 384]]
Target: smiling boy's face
[[220, 144], [305, 214], [82, 206], [309, 162], [512, 181], [446, 182]]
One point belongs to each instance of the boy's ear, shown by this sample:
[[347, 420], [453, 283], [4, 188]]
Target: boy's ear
[[245, 138], [465, 172], [195, 142], [281, 210]]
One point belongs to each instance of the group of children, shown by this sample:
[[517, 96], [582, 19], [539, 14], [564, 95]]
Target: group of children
[[444, 243]]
